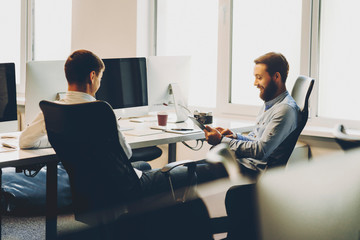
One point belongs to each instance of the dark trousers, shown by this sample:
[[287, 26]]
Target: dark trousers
[[207, 172], [241, 208], [141, 165], [240, 200], [155, 182]]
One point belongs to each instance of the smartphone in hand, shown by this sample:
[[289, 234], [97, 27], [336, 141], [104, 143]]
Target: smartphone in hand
[[197, 122]]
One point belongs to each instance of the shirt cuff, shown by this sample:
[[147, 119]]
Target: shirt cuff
[[243, 138], [226, 140]]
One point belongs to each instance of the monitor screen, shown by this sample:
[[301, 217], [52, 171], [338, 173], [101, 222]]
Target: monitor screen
[[8, 106], [124, 83]]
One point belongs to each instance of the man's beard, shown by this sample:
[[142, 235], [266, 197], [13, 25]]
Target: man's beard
[[269, 92]]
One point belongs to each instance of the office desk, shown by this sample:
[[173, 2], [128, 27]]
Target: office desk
[[172, 138], [27, 157], [19, 158]]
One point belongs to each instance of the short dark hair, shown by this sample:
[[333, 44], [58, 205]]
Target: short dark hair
[[80, 64], [275, 62]]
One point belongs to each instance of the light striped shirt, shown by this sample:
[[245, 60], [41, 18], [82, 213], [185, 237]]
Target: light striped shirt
[[276, 120]]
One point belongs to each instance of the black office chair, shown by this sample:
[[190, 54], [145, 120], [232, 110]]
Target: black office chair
[[85, 138], [145, 154], [301, 93], [102, 179]]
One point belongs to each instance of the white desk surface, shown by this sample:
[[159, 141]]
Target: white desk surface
[[167, 138], [19, 157]]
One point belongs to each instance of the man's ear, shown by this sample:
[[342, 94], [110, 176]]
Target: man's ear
[[92, 76], [277, 76]]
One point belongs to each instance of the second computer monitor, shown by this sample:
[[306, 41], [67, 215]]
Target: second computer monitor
[[124, 86], [8, 106], [165, 75]]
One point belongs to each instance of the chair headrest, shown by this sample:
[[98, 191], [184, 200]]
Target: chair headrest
[[302, 90]]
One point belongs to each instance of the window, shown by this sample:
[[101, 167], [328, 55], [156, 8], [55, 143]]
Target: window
[[188, 27], [49, 33], [259, 27], [338, 59], [51, 29], [10, 41], [318, 38]]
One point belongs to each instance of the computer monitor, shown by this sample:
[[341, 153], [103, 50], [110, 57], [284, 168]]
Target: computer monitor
[[319, 200], [44, 79], [8, 105], [167, 75], [124, 86]]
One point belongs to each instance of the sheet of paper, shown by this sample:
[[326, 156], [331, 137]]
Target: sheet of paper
[[142, 132]]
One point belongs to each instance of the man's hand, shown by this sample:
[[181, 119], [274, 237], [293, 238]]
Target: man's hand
[[226, 132], [212, 135]]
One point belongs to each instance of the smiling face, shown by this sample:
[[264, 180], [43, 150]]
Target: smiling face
[[264, 82]]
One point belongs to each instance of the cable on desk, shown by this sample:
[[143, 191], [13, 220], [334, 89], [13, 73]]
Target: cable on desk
[[32, 170], [196, 147]]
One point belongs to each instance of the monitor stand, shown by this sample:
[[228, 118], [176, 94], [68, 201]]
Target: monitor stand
[[181, 111]]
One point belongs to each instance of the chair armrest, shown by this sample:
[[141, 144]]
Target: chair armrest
[[172, 165]]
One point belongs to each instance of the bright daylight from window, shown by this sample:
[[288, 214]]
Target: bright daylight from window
[[260, 27], [10, 26], [183, 31], [339, 61], [52, 29]]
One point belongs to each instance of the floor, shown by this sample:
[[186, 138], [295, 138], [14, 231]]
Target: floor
[[33, 228]]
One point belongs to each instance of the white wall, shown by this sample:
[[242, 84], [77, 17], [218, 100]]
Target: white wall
[[106, 27]]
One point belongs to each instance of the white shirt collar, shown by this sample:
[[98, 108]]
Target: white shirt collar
[[279, 98], [77, 97]]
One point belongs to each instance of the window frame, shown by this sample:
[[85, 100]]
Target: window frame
[[154, 35], [313, 71], [225, 65], [20, 87], [309, 63], [224, 106]]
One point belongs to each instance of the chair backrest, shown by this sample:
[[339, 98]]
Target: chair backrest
[[85, 138], [301, 93]]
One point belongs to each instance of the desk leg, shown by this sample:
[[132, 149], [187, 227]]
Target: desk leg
[[51, 200], [172, 153]]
